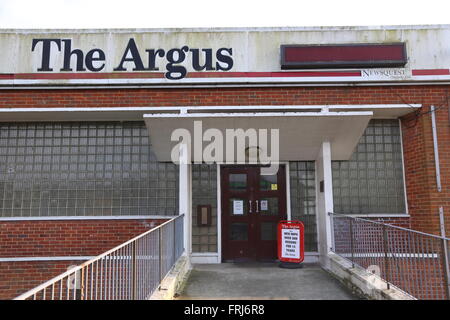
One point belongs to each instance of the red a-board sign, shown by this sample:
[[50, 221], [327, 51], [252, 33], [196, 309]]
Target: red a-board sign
[[291, 247]]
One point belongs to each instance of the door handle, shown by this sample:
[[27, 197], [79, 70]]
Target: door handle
[[250, 206], [257, 210]]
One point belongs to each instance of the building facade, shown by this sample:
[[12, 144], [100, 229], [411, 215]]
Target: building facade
[[356, 119]]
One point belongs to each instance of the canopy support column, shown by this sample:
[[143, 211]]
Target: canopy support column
[[185, 195], [324, 196]]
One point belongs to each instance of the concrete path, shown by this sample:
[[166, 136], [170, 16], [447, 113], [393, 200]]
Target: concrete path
[[262, 281]]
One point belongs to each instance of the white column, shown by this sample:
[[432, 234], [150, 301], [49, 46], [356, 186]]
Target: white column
[[324, 201], [185, 195]]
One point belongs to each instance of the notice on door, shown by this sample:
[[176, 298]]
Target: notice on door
[[238, 207], [291, 241], [264, 205]]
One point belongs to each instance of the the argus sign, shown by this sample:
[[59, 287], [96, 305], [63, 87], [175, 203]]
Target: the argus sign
[[291, 241], [132, 59]]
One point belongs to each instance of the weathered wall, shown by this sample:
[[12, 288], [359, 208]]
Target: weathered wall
[[254, 49]]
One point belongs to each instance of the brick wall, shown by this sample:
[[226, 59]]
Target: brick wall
[[57, 238], [423, 200], [20, 276], [67, 237], [221, 96]]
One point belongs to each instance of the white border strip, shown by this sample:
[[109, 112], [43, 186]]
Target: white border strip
[[378, 215], [390, 255], [259, 114], [222, 81], [85, 218], [95, 109], [207, 80], [231, 85], [185, 109], [59, 258]]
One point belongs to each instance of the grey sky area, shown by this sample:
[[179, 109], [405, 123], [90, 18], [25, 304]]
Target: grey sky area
[[208, 13]]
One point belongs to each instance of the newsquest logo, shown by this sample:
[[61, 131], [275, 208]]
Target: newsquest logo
[[235, 146], [132, 58]]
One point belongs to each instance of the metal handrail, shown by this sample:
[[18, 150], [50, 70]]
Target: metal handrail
[[390, 225], [413, 261], [132, 242]]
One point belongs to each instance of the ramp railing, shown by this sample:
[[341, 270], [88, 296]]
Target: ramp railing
[[413, 261], [130, 271]]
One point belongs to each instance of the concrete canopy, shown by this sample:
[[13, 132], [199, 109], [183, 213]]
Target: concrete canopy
[[302, 127], [300, 133]]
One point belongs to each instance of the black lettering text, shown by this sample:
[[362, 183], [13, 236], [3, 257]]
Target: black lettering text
[[171, 67], [207, 65], [135, 57], [152, 54], [227, 59], [46, 47], [68, 53], [90, 59]]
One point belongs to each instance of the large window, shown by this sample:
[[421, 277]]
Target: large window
[[372, 180], [204, 192], [83, 169], [302, 180]]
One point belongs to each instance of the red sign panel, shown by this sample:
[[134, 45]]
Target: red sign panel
[[291, 247], [369, 55]]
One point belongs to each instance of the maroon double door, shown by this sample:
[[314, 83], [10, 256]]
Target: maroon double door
[[252, 206]]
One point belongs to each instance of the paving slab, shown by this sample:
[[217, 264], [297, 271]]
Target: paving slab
[[262, 281]]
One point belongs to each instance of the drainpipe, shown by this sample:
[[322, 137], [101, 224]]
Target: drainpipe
[[441, 209], [436, 151], [438, 170]]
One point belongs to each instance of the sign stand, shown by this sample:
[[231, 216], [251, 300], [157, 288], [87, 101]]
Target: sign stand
[[291, 248]]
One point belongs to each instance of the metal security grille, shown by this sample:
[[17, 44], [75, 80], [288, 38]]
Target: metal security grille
[[83, 169], [204, 192], [303, 199], [372, 180]]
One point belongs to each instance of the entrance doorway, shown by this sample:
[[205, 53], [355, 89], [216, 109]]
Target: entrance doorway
[[252, 206]]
